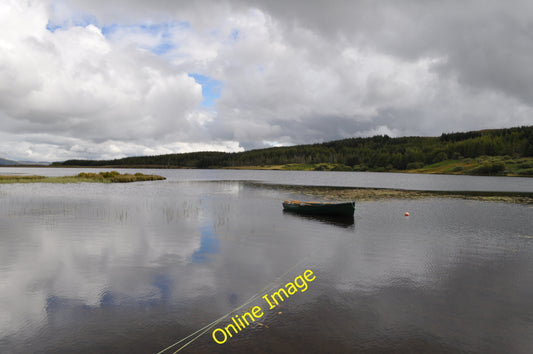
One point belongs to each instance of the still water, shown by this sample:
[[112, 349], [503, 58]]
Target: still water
[[323, 178], [137, 267]]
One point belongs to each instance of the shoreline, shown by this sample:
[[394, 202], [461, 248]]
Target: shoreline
[[360, 194], [428, 170]]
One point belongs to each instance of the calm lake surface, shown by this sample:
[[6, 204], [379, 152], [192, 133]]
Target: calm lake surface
[[322, 178], [134, 268]]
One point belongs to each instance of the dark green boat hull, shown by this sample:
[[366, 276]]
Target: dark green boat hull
[[328, 209]]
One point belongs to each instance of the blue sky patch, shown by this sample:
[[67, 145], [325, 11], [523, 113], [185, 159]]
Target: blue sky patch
[[107, 30], [209, 244], [161, 30], [211, 89], [79, 20], [163, 48], [235, 34], [154, 29], [52, 27]]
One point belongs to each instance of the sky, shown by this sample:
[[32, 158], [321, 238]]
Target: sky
[[101, 79]]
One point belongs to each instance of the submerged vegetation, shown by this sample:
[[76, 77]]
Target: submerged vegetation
[[502, 152], [102, 177], [373, 194]]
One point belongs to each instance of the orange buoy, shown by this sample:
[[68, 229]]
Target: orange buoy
[[406, 213]]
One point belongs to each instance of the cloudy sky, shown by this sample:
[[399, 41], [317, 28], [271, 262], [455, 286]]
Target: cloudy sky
[[103, 79]]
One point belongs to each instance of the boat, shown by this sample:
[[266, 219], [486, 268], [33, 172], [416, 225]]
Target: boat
[[320, 208]]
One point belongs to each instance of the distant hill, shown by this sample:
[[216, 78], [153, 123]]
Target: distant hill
[[487, 152], [33, 163], [4, 162]]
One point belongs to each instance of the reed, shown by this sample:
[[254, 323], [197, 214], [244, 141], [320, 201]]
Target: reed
[[88, 177]]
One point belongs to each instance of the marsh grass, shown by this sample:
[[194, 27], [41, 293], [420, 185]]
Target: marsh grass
[[20, 179], [375, 194], [90, 177]]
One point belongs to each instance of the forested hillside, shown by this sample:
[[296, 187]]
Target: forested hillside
[[498, 151]]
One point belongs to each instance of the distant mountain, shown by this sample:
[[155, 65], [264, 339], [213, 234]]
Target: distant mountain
[[39, 163], [8, 162]]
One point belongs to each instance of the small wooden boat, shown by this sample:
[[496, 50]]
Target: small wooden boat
[[318, 208]]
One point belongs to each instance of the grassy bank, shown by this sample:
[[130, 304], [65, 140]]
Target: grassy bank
[[481, 166], [102, 177]]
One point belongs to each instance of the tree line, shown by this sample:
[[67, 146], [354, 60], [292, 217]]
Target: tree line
[[379, 152]]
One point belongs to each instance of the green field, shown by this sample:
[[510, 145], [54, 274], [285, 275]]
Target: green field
[[483, 165]]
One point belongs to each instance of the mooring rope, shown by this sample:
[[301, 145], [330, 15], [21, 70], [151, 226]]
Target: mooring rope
[[254, 297]]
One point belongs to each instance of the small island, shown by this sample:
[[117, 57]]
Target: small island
[[101, 177]]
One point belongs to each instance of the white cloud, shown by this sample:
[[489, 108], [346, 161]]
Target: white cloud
[[75, 83], [289, 73]]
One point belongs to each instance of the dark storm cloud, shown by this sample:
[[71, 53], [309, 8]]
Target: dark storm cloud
[[486, 44]]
